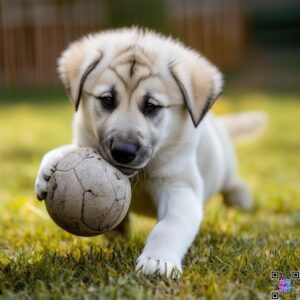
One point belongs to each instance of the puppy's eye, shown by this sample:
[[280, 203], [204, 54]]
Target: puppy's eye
[[149, 108], [108, 101]]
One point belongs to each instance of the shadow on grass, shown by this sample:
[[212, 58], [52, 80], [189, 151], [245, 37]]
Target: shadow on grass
[[98, 273], [95, 266], [220, 261]]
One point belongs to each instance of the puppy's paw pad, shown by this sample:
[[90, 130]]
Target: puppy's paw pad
[[148, 266]]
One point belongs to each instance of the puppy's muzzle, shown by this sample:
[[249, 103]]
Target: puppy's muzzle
[[124, 152]]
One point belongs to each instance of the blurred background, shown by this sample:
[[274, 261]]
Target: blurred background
[[258, 39]]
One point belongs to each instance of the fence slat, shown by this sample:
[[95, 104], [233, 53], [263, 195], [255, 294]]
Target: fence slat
[[33, 33]]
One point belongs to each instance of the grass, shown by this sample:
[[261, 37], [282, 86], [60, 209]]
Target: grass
[[231, 258]]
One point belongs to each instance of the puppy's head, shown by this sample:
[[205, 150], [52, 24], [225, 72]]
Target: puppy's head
[[131, 90]]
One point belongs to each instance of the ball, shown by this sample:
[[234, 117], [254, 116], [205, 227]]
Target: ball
[[86, 195]]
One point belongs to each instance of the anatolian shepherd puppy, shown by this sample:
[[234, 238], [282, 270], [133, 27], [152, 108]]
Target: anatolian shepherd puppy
[[143, 101]]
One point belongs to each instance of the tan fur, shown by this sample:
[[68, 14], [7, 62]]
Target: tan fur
[[199, 82]]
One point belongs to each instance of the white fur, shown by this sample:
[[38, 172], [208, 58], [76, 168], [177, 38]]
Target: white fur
[[190, 164]]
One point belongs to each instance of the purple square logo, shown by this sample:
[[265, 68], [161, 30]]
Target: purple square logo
[[285, 285]]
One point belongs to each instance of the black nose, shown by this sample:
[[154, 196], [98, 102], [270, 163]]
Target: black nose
[[124, 152]]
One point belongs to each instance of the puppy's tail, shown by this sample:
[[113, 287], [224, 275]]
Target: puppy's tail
[[245, 125]]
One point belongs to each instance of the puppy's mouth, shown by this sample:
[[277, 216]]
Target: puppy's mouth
[[130, 172]]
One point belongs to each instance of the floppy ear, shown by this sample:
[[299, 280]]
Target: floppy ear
[[200, 84], [74, 66]]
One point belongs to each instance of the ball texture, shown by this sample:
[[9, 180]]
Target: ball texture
[[86, 195]]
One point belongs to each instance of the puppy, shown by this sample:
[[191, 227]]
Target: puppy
[[143, 101]]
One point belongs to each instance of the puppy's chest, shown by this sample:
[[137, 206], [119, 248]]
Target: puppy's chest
[[141, 201]]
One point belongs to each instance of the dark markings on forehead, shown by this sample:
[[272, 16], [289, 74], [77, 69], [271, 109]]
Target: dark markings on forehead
[[132, 68], [133, 54], [138, 81], [119, 76], [123, 51], [142, 78], [146, 57]]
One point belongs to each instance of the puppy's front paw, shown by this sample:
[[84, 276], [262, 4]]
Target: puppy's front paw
[[148, 265], [47, 168], [41, 184]]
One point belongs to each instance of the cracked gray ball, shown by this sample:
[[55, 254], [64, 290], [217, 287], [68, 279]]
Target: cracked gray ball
[[86, 195]]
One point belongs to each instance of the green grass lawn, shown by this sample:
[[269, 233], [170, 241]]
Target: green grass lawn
[[231, 258]]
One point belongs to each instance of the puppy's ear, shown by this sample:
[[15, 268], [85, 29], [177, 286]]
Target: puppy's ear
[[74, 66], [199, 82]]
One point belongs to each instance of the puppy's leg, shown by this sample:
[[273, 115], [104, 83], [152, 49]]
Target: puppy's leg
[[47, 168], [235, 191], [179, 215], [123, 229], [238, 194]]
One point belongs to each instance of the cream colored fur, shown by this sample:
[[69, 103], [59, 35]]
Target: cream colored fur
[[182, 165]]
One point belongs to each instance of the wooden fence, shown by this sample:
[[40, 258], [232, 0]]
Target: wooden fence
[[34, 32]]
